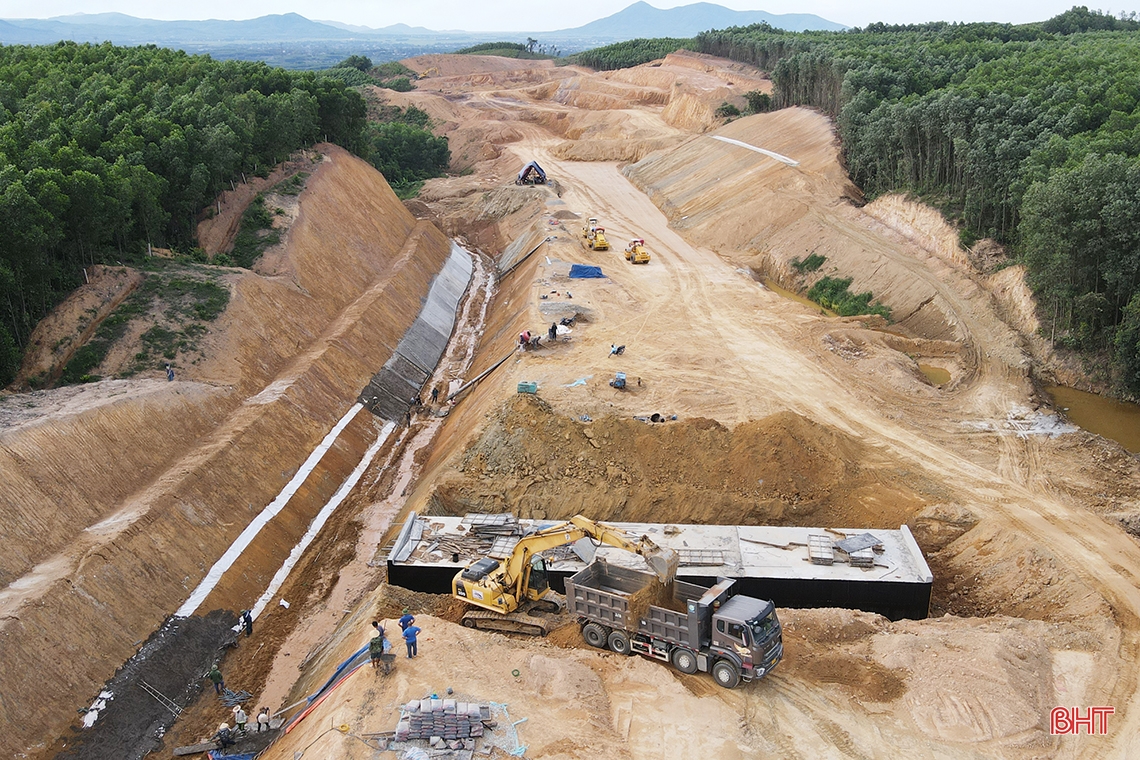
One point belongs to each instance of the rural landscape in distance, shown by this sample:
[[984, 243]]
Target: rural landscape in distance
[[753, 386]]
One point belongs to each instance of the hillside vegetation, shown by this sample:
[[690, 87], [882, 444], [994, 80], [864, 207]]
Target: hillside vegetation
[[622, 55], [106, 150], [1029, 134]]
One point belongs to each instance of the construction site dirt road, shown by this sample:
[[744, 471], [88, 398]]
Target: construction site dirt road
[[784, 416]]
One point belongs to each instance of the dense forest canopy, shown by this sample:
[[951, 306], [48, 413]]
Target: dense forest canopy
[[1029, 134], [622, 55], [106, 149]]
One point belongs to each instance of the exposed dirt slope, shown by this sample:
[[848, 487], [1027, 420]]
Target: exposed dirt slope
[[1041, 591], [71, 324], [145, 491]]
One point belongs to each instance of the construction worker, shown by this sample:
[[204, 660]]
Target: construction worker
[[263, 720], [406, 619], [240, 719], [376, 649], [434, 395], [219, 681], [224, 737], [410, 634], [247, 622], [552, 333]]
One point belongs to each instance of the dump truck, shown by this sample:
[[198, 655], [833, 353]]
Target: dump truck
[[508, 591], [734, 637], [635, 252]]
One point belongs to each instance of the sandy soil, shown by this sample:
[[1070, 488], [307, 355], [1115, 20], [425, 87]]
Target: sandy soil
[[1036, 599]]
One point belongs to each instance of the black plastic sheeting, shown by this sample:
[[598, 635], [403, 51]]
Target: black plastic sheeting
[[174, 661], [390, 392], [896, 601]]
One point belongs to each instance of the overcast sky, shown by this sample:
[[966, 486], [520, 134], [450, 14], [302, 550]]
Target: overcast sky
[[536, 15]]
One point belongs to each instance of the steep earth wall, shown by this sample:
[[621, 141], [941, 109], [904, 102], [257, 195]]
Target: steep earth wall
[[766, 214], [292, 353]]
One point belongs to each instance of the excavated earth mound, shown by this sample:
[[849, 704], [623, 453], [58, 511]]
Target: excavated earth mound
[[783, 469]]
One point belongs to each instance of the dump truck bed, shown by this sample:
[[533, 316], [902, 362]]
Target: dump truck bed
[[622, 598]]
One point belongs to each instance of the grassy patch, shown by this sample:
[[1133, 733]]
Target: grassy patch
[[87, 358], [810, 264], [255, 236], [391, 69], [292, 186], [833, 293], [188, 300]]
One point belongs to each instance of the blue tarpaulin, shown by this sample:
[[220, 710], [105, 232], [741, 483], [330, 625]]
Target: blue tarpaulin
[[583, 272], [531, 174]]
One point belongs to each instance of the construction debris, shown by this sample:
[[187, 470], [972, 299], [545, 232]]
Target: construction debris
[[232, 698]]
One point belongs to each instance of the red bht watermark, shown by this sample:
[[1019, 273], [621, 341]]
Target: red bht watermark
[[1069, 720]]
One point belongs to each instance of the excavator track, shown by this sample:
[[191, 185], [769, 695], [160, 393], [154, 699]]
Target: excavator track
[[513, 622]]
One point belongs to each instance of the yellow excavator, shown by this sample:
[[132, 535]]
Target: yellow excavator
[[507, 591]]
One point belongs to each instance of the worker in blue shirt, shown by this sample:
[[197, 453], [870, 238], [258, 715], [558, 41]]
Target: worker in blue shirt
[[410, 634], [406, 620]]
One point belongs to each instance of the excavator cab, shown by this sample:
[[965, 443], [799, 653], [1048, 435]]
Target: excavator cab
[[508, 591], [539, 582]]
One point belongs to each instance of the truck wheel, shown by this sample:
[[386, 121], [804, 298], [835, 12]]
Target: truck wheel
[[594, 634], [726, 674], [684, 661], [619, 643]]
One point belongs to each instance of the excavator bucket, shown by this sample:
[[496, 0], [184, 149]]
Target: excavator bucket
[[663, 561]]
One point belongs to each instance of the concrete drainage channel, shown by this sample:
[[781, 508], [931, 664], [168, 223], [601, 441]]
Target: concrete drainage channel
[[150, 690]]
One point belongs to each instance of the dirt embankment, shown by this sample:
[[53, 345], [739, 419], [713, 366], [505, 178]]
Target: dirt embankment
[[154, 488], [783, 470], [223, 220], [71, 324]]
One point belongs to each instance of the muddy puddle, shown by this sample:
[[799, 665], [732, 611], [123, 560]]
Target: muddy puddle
[[936, 375], [1108, 417], [772, 286]]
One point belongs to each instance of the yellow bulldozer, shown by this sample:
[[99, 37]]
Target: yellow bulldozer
[[635, 252], [508, 591], [594, 236]]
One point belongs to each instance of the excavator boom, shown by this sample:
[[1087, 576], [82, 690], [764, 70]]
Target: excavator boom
[[503, 587]]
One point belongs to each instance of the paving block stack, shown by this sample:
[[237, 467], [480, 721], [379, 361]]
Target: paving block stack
[[444, 719]]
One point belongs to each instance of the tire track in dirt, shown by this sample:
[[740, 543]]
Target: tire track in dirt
[[694, 290]]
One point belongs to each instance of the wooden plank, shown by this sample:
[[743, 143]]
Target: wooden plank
[[195, 749]]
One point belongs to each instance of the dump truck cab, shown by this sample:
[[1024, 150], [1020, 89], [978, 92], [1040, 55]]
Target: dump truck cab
[[747, 631]]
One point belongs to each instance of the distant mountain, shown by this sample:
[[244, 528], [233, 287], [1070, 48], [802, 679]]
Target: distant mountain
[[294, 41], [643, 20], [127, 30], [397, 29]]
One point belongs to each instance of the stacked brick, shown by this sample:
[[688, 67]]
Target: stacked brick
[[445, 719]]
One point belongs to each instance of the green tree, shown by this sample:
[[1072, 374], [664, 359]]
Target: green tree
[[1127, 345], [758, 102], [358, 62]]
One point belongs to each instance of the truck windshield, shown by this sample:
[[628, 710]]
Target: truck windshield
[[763, 628]]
